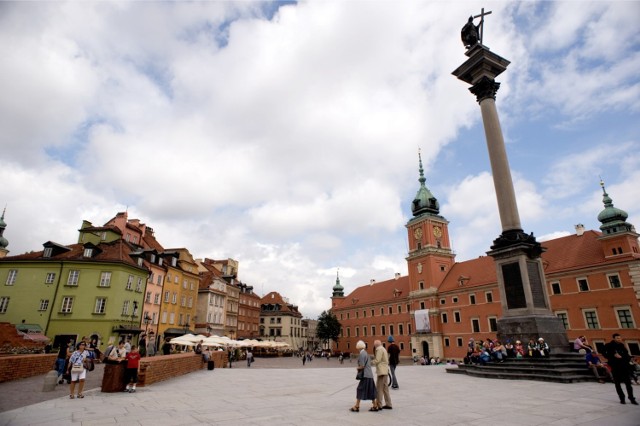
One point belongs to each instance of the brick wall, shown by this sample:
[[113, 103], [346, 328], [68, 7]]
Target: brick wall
[[20, 366], [159, 368]]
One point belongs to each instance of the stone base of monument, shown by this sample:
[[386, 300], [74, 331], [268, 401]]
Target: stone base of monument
[[559, 368], [523, 328]]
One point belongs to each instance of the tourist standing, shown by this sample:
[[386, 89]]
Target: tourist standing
[[76, 369], [131, 373], [249, 358], [61, 361], [381, 361], [619, 359], [394, 360], [366, 387]]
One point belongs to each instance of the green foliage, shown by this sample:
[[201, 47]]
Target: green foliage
[[328, 327]]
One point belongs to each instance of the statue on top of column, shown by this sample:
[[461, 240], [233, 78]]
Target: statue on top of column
[[470, 33]]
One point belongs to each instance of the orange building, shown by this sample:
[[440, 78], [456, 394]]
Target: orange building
[[593, 280]]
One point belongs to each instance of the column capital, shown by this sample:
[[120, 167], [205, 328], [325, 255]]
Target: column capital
[[485, 88]]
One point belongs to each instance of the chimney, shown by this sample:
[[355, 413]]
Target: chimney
[[372, 282], [397, 275], [579, 229]]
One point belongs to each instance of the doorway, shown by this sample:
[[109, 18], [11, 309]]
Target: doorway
[[425, 349]]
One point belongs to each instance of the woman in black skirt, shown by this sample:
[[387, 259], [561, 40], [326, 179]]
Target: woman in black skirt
[[366, 386]]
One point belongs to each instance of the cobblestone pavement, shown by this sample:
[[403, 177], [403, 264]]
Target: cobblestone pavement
[[281, 392]]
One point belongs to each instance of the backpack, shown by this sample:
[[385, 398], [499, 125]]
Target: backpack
[[107, 352]]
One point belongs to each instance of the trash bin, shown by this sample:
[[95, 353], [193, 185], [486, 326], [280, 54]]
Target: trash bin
[[210, 365], [113, 378]]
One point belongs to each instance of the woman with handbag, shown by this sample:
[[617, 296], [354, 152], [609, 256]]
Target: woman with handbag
[[366, 386], [77, 370]]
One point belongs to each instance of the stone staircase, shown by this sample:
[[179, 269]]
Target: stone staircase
[[560, 368]]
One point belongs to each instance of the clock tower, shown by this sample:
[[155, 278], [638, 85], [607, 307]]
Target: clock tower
[[430, 256]]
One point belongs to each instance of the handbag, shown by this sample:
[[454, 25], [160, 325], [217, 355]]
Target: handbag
[[88, 364], [360, 373], [77, 368]]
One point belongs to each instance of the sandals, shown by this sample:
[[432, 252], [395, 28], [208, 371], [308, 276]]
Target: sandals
[[354, 409], [71, 396], [80, 395], [373, 409]]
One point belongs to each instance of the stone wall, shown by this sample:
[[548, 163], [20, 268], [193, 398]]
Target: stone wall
[[159, 368], [14, 367]]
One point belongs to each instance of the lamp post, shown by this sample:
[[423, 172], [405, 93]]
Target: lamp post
[[133, 314], [186, 327], [147, 320]]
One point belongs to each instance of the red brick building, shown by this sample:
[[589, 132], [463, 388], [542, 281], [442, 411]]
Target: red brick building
[[592, 278]]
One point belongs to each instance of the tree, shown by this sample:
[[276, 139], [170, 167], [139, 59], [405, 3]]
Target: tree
[[328, 327]]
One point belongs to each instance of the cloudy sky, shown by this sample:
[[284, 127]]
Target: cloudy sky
[[286, 135]]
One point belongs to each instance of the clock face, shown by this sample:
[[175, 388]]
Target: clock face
[[437, 231], [417, 233]]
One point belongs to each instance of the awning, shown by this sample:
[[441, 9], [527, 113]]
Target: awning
[[177, 331], [36, 337]]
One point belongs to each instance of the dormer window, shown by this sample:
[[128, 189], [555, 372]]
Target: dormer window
[[174, 261], [140, 261], [153, 258], [47, 252], [88, 252]]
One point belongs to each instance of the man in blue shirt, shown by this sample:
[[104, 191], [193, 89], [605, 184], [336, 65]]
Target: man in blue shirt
[[594, 363]]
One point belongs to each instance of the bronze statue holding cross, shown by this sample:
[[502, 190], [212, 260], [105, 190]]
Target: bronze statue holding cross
[[471, 34]]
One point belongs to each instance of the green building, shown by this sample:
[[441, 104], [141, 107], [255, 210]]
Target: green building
[[94, 288]]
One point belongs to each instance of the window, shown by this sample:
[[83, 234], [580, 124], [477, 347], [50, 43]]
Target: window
[[174, 262], [44, 304], [455, 300], [446, 342], [624, 318], [364, 331], [180, 317], [139, 285], [67, 305], [166, 296], [472, 299], [408, 307], [614, 281], [591, 319], [373, 330], [444, 318], [383, 330], [11, 278], [390, 310], [399, 309], [382, 313], [348, 332], [184, 284], [400, 330], [156, 299], [634, 348], [443, 301], [391, 329], [88, 252], [459, 341], [475, 325], [125, 307], [47, 252], [4, 304], [73, 277], [164, 317], [174, 298], [421, 305], [148, 298], [105, 279], [176, 280], [489, 297], [373, 312], [493, 324], [456, 316], [183, 301], [101, 304], [357, 332], [129, 282], [555, 288], [583, 284], [421, 285], [409, 328], [190, 302], [172, 318], [159, 280], [51, 277], [565, 319]]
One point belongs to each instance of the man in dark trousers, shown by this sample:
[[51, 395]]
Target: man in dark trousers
[[394, 360], [619, 358]]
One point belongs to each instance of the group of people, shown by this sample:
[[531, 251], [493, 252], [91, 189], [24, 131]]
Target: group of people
[[485, 351], [385, 361], [73, 361], [129, 355]]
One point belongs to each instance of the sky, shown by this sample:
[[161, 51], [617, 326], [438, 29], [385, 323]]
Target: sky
[[286, 135]]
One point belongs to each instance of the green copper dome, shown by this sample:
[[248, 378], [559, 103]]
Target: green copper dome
[[3, 241], [424, 202], [613, 219], [338, 290]]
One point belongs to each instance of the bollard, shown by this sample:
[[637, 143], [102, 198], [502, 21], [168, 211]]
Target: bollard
[[50, 381]]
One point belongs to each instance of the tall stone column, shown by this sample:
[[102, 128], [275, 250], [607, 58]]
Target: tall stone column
[[523, 292]]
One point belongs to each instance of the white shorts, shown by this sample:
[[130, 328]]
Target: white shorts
[[79, 376]]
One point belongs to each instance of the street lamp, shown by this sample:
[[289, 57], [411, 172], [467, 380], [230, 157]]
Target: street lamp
[[147, 320], [186, 327], [133, 313]]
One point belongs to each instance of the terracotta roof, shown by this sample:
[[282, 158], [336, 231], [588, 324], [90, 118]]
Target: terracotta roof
[[375, 293], [274, 298], [101, 228], [564, 253], [114, 251]]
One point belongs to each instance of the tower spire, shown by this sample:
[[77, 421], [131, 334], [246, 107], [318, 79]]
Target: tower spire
[[424, 202], [338, 290], [614, 220], [3, 241]]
